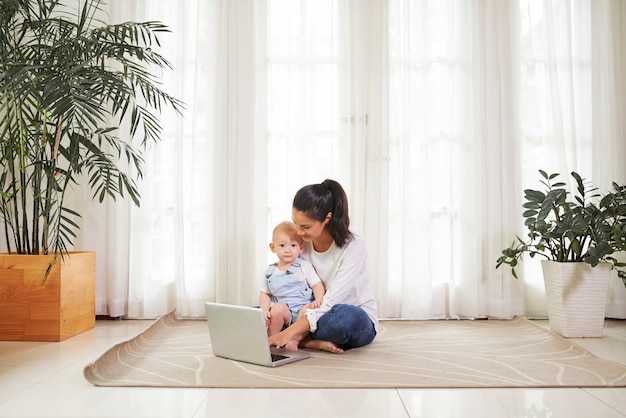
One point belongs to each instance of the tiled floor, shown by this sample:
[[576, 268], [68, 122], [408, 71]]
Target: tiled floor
[[45, 380]]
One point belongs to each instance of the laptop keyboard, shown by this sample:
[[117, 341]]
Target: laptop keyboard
[[276, 357]]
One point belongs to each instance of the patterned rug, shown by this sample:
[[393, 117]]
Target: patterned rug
[[405, 354]]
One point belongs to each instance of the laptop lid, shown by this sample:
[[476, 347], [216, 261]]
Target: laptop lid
[[239, 333]]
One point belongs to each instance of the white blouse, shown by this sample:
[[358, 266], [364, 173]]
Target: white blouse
[[345, 276]]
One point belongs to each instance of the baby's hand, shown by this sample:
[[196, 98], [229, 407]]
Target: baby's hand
[[316, 303]]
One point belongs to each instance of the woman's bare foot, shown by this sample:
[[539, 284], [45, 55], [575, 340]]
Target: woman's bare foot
[[321, 345]]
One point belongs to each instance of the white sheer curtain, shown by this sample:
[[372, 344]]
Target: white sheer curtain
[[327, 109], [573, 113], [200, 232], [453, 131], [556, 122], [198, 236], [609, 112], [434, 115]]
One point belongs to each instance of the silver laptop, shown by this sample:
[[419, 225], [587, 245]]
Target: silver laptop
[[238, 333]]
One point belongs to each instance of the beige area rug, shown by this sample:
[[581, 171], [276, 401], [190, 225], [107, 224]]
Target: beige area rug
[[405, 354]]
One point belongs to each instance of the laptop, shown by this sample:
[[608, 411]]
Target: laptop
[[239, 333]]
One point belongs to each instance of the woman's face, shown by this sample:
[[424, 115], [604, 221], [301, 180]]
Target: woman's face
[[309, 229]]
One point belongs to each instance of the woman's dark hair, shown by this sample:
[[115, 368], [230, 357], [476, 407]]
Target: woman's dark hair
[[316, 200]]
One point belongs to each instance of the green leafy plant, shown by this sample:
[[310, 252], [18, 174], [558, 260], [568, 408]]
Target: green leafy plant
[[68, 83], [590, 228]]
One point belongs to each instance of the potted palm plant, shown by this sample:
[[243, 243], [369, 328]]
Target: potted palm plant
[[578, 240], [68, 84]]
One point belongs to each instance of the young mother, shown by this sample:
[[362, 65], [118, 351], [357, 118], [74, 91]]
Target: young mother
[[348, 316]]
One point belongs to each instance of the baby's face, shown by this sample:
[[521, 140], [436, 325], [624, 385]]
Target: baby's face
[[286, 248]]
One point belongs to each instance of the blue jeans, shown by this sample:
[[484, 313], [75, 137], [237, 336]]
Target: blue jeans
[[347, 326]]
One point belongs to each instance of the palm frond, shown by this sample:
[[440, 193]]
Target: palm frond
[[68, 84]]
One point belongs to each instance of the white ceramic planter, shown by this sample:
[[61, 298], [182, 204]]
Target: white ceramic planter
[[576, 295]]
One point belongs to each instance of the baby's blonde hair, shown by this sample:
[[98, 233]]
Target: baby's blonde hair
[[288, 228]]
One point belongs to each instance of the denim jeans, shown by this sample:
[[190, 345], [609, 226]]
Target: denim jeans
[[347, 326]]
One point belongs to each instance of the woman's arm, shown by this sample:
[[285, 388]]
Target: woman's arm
[[346, 279], [345, 275]]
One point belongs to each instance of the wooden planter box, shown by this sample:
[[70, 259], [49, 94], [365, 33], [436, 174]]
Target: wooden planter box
[[60, 308]]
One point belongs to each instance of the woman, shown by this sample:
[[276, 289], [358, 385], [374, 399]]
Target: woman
[[348, 315]]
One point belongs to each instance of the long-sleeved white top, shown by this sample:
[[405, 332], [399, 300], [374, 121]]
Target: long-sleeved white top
[[345, 275]]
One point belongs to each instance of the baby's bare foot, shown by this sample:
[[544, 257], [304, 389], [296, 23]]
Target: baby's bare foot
[[323, 346], [292, 345]]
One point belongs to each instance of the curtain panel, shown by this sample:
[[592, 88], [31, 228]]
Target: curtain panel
[[434, 115], [608, 45]]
